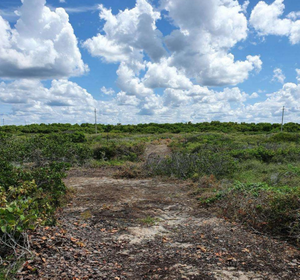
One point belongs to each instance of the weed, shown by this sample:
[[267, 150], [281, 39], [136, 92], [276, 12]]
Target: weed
[[86, 215]]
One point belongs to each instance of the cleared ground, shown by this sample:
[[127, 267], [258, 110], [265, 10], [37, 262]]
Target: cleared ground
[[150, 229]]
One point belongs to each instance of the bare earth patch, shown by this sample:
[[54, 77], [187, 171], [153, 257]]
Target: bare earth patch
[[101, 236]]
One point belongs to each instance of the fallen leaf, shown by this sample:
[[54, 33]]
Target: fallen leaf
[[165, 239], [202, 249], [30, 267], [80, 244], [245, 250]]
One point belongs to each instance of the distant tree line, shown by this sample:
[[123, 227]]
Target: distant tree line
[[152, 128]]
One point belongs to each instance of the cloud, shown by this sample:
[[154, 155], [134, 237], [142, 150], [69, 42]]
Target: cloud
[[195, 54], [31, 101], [41, 45], [254, 95], [245, 6], [278, 76], [207, 31], [128, 82], [298, 75], [266, 20], [161, 75], [61, 93], [9, 14], [181, 66], [107, 91], [124, 99], [65, 101], [270, 110], [128, 35], [81, 9], [198, 49]]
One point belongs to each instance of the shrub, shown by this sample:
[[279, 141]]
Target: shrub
[[104, 152], [184, 165], [28, 198], [266, 208], [78, 137], [284, 137], [118, 152]]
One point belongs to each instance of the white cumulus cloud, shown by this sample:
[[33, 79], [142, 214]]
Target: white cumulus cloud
[[198, 49], [267, 20], [127, 35], [41, 45], [207, 31]]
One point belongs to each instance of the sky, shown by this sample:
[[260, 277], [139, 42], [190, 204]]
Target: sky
[[142, 61]]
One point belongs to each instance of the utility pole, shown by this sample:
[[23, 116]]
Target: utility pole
[[96, 121], [282, 119], [3, 122]]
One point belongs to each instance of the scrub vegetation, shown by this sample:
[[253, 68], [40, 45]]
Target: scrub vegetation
[[248, 173]]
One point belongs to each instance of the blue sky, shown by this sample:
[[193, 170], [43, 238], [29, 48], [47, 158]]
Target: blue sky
[[153, 61]]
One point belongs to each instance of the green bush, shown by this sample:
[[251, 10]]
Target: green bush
[[184, 165], [118, 152], [20, 208], [284, 137], [30, 197], [104, 152]]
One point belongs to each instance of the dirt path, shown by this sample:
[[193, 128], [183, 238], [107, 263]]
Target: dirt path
[[106, 233], [150, 229]]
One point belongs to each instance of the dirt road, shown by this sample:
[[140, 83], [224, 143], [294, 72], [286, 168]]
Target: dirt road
[[150, 229]]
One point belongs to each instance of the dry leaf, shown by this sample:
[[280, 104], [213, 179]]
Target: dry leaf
[[245, 250], [80, 244], [30, 267], [202, 249]]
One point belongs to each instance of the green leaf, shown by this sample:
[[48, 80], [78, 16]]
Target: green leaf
[[3, 229]]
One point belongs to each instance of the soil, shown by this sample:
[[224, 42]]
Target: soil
[[150, 229]]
